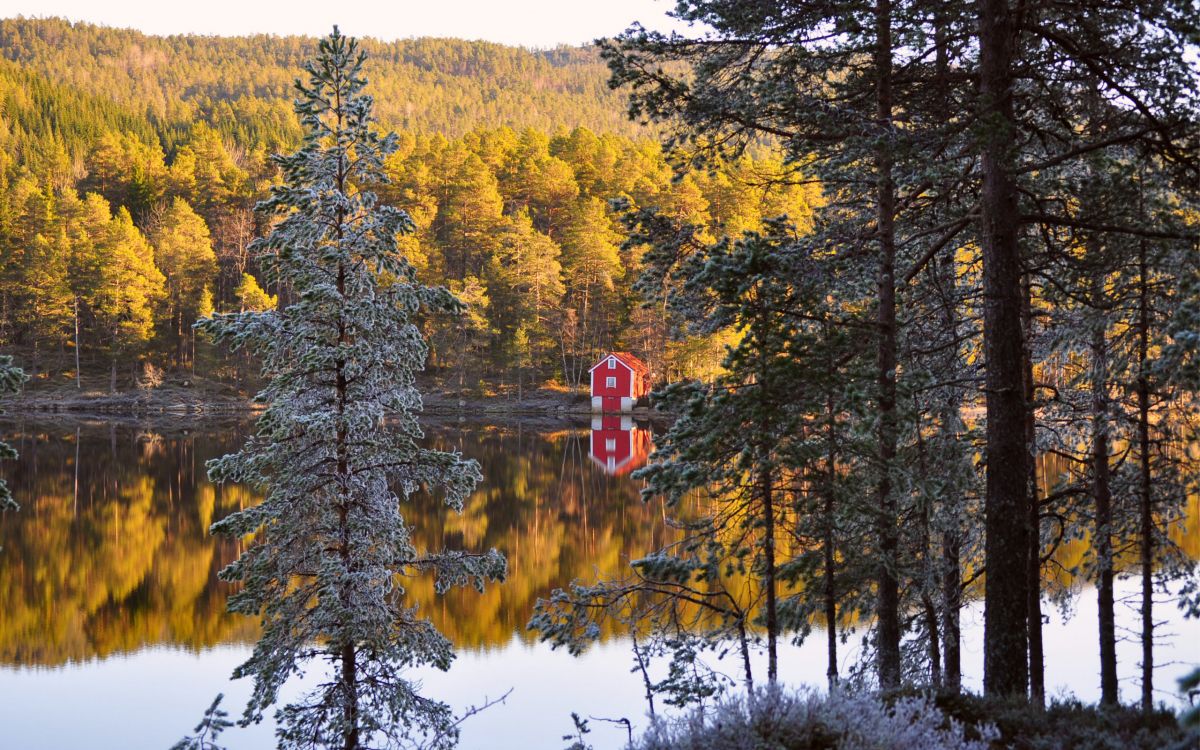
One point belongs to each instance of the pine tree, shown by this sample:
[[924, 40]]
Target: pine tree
[[469, 213], [126, 286], [183, 253], [251, 297], [330, 543], [591, 263], [754, 73], [983, 100], [746, 444], [43, 301], [126, 171], [525, 288]]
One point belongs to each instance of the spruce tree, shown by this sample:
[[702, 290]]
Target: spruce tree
[[338, 447]]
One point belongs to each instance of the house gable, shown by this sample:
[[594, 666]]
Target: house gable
[[604, 363], [618, 380]]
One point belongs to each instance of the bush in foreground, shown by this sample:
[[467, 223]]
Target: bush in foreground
[[771, 719], [1068, 725], [779, 720]]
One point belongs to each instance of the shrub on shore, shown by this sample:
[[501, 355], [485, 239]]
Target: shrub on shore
[[912, 720], [814, 721]]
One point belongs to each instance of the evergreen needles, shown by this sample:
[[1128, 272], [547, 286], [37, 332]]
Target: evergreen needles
[[338, 447]]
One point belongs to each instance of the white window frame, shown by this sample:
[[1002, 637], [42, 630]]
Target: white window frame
[[610, 444], [610, 382], [612, 363]]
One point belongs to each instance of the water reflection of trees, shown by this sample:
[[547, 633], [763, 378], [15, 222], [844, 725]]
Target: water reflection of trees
[[109, 552], [550, 510]]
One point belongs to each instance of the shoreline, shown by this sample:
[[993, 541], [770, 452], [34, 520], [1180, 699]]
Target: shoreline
[[179, 402]]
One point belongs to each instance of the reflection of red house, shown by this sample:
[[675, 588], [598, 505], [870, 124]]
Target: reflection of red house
[[618, 446], [618, 381]]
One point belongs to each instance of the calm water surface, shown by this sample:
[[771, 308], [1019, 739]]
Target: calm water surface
[[114, 634]]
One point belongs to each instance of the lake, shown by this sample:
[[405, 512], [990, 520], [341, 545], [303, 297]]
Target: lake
[[114, 634]]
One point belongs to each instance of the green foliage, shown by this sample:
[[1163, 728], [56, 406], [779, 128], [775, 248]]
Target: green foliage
[[330, 545], [1180, 363], [952, 142], [183, 253], [127, 170], [509, 194], [746, 469], [127, 284], [242, 86], [214, 721], [251, 296]]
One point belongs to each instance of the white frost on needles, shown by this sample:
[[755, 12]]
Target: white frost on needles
[[329, 543]]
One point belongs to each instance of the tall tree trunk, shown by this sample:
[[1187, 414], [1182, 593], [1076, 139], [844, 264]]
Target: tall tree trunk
[[1101, 488], [929, 577], [642, 663], [180, 341], [772, 616], [951, 573], [830, 531], [1006, 499], [78, 377], [349, 665], [1033, 562], [766, 481], [1145, 496], [744, 644], [831, 626], [349, 653], [951, 606], [888, 603]]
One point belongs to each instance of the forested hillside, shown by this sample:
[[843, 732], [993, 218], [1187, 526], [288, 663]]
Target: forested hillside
[[243, 85], [130, 166]]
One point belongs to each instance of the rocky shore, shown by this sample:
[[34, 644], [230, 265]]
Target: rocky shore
[[200, 397]]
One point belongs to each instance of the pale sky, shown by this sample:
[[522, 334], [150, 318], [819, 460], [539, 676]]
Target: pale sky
[[530, 23]]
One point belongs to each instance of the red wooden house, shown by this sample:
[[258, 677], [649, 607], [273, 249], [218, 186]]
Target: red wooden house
[[618, 446], [618, 381]]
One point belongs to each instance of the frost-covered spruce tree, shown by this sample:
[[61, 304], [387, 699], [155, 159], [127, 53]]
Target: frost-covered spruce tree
[[338, 447], [11, 378]]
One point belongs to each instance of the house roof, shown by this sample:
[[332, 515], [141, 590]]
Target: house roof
[[633, 363]]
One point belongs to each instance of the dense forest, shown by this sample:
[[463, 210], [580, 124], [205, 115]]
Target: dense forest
[[132, 164], [919, 284], [981, 347], [243, 86]]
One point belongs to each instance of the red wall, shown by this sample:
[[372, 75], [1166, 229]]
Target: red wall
[[600, 377], [631, 445]]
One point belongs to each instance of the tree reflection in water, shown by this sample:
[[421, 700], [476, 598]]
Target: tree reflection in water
[[110, 551]]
